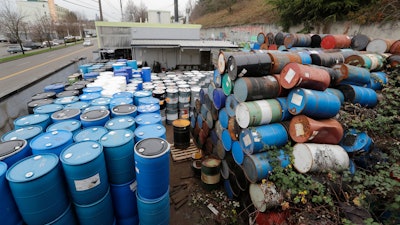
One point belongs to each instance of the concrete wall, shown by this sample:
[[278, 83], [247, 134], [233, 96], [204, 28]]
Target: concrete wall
[[16, 105]]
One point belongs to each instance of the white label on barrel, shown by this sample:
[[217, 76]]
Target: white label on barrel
[[246, 140], [296, 99], [133, 186], [289, 75], [265, 111], [88, 183], [299, 129]]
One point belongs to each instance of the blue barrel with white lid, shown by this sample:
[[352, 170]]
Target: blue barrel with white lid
[[88, 97], [146, 74], [92, 89], [57, 88], [123, 94], [14, 150], [95, 107], [37, 185], [125, 203], [77, 105], [24, 133], [90, 134], [85, 171], [124, 110], [152, 167], [66, 100], [150, 131], [65, 114], [70, 125], [121, 122], [149, 101], [42, 120], [51, 142], [105, 101], [118, 145], [48, 108], [120, 101], [148, 118], [9, 214], [141, 94], [153, 108], [94, 118]]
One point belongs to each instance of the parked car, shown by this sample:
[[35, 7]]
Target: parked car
[[16, 48], [32, 45], [69, 39], [49, 43], [87, 42]]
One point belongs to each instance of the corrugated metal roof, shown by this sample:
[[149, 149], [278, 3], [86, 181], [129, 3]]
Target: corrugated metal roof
[[183, 43]]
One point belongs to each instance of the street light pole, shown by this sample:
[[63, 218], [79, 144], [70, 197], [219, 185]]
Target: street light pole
[[122, 14]]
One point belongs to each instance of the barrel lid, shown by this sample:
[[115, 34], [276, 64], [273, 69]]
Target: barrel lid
[[51, 139], [158, 91], [172, 90], [89, 96], [120, 122], [303, 158], [94, 115], [93, 133], [11, 147], [116, 138], [124, 108], [66, 100], [101, 101], [48, 108], [95, 107], [152, 130], [77, 105], [42, 95], [32, 167], [152, 147], [211, 162], [75, 86], [149, 100], [70, 125], [26, 133], [181, 123], [65, 113], [80, 153], [148, 108], [121, 101], [142, 93], [56, 86], [123, 94], [31, 119], [68, 93], [92, 89], [148, 118], [40, 102]]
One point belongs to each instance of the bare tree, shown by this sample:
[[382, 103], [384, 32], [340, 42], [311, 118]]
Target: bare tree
[[12, 22], [43, 29], [134, 13]]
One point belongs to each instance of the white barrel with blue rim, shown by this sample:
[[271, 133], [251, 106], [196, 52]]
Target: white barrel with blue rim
[[118, 145], [262, 138], [125, 203], [48, 108], [65, 114], [42, 120], [152, 167], [226, 140], [51, 142], [312, 103], [95, 118], [66, 100], [154, 211], [14, 150], [141, 94], [90, 134], [85, 172], [146, 74], [105, 101], [121, 122], [148, 118], [77, 105], [26, 133], [100, 212], [258, 166], [152, 108], [70, 125], [150, 131], [9, 214], [120, 101], [37, 185]]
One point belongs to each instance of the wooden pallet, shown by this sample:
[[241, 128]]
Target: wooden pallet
[[183, 154]]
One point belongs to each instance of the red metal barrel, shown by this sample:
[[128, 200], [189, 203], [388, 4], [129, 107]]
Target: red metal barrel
[[335, 41]]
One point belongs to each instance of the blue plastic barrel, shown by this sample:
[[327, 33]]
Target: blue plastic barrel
[[118, 145], [284, 106], [94, 118], [123, 94], [27, 133], [366, 97], [129, 71], [9, 214], [226, 140], [237, 152], [14, 150], [223, 118], [120, 101], [70, 125], [258, 166], [68, 217], [97, 89], [124, 110], [146, 74], [66, 100], [37, 185], [230, 105], [148, 118], [132, 63], [84, 68], [104, 101], [149, 101], [85, 172], [57, 88], [153, 108], [336, 92], [51, 142], [47, 109], [305, 58], [90, 134], [90, 75], [125, 203], [121, 122], [154, 211], [149, 131], [42, 120], [97, 107], [65, 114], [261, 138], [152, 168], [141, 94], [219, 98], [312, 103], [77, 105], [355, 75], [354, 141], [378, 80], [100, 212], [90, 96]]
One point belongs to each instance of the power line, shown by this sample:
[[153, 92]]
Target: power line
[[73, 3]]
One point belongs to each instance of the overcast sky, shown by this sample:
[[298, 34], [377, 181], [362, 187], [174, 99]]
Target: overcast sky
[[112, 8]]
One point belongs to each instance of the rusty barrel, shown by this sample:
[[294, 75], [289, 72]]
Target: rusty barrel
[[255, 88], [297, 40], [250, 64], [327, 59], [298, 75], [304, 129], [335, 41], [335, 75], [395, 47], [280, 59], [280, 38], [354, 75]]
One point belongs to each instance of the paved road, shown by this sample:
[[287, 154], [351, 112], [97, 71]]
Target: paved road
[[18, 73]]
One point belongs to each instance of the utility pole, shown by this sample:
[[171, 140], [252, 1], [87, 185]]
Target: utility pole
[[122, 14], [101, 11]]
